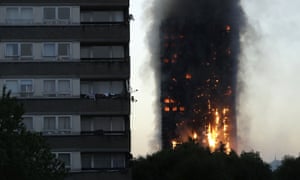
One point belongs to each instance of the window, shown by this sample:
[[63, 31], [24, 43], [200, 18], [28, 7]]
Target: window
[[16, 15], [49, 14], [12, 50], [102, 16], [24, 50], [64, 13], [65, 157], [61, 50], [57, 15], [54, 88], [105, 123], [103, 160], [12, 85], [26, 88], [64, 123], [28, 122], [118, 161], [57, 125], [49, 50], [64, 87], [103, 88], [22, 88], [49, 88], [102, 52], [49, 123]]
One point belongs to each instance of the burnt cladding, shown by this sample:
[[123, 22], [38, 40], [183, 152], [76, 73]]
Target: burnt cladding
[[199, 48]]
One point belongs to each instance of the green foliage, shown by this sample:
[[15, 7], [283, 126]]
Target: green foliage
[[193, 162], [23, 154]]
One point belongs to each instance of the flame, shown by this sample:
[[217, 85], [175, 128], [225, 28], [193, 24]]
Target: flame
[[181, 108], [174, 108], [217, 131], [188, 76], [212, 138], [195, 136], [167, 100], [174, 144], [167, 109], [228, 28]]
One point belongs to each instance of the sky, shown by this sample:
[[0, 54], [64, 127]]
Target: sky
[[269, 103]]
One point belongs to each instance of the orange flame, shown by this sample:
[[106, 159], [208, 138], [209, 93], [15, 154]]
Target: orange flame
[[167, 100], [166, 60], [188, 76], [167, 109], [228, 28], [217, 131], [195, 136]]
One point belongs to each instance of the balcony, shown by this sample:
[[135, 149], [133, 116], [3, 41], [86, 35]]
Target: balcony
[[84, 69], [90, 143], [67, 2], [84, 33], [82, 106]]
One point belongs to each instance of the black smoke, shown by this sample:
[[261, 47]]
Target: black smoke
[[196, 57]]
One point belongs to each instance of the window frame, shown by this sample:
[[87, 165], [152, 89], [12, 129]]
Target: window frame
[[56, 55], [57, 130], [19, 50], [111, 160], [20, 19], [56, 19], [32, 119], [88, 17], [111, 131], [57, 93], [112, 53], [19, 93], [56, 154]]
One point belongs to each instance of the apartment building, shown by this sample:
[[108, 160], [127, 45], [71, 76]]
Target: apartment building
[[68, 62]]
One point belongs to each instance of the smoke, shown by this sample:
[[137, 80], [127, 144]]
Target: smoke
[[269, 102], [153, 16], [202, 40]]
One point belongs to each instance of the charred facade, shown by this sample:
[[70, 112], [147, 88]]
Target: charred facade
[[199, 48]]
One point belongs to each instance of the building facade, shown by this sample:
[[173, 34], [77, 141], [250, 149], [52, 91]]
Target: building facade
[[68, 62], [199, 59]]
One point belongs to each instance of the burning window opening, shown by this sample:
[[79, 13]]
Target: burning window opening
[[228, 28], [167, 109], [174, 109], [166, 60], [188, 76], [182, 108]]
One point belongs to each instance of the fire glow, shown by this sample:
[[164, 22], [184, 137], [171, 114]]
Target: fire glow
[[215, 134], [198, 61]]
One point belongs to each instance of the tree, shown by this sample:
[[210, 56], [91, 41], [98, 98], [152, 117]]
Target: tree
[[193, 162], [289, 169], [24, 154]]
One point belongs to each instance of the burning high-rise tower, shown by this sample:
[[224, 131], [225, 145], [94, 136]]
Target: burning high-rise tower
[[199, 48]]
